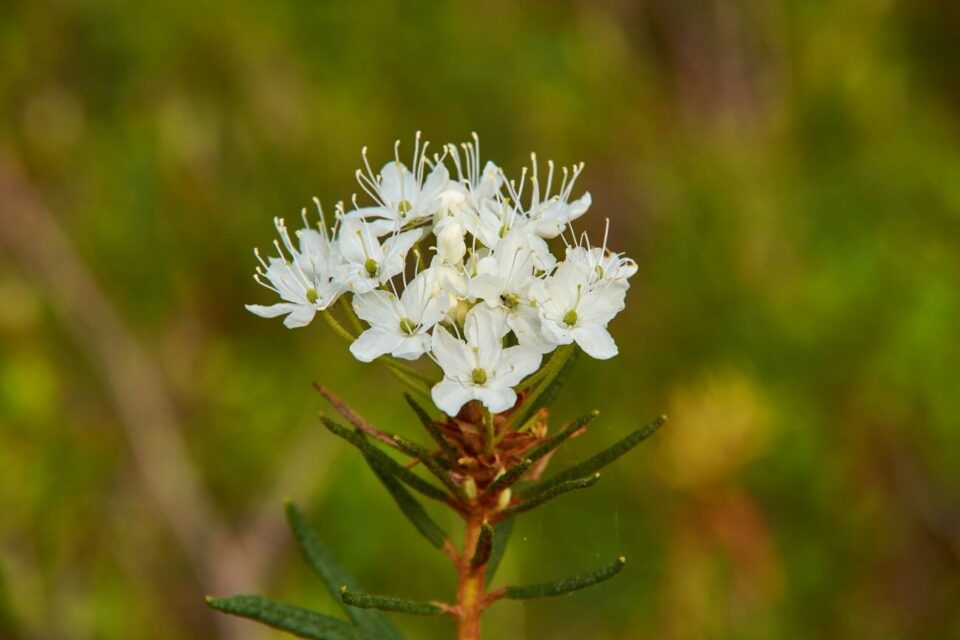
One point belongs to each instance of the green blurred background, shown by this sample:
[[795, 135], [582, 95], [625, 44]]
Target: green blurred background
[[787, 176]]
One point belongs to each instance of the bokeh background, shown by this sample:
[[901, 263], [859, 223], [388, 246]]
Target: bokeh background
[[787, 176]]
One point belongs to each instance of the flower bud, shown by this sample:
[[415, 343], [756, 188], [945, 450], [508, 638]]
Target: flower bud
[[450, 244]]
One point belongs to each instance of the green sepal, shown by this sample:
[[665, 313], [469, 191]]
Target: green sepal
[[377, 457], [501, 536], [562, 436], [510, 476], [414, 511], [568, 585], [548, 494], [431, 464], [322, 561], [432, 429], [296, 620], [598, 461], [388, 603], [484, 546]]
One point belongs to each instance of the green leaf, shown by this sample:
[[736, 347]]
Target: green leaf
[[388, 603], [557, 371], [379, 458], [334, 576], [431, 464], [432, 429], [411, 508], [598, 461], [549, 493], [510, 476], [568, 585], [296, 620], [562, 436], [484, 546], [501, 536], [549, 394]]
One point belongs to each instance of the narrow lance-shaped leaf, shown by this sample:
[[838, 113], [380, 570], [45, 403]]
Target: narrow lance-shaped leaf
[[334, 576], [296, 620], [501, 536], [432, 429], [559, 366], [411, 508], [389, 465], [484, 546], [510, 476], [538, 452], [598, 461], [388, 603], [431, 464], [550, 493], [567, 585]]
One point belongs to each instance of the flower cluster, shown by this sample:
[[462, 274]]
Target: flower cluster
[[453, 261]]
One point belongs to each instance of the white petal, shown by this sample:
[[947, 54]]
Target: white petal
[[272, 311], [596, 341], [399, 245], [373, 343], [450, 396], [525, 323], [378, 308], [393, 177], [552, 330], [436, 182], [301, 316], [486, 287], [496, 399], [600, 305], [452, 355], [484, 328], [412, 347], [516, 363]]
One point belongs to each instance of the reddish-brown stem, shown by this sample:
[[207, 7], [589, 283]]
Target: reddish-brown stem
[[471, 597], [353, 417]]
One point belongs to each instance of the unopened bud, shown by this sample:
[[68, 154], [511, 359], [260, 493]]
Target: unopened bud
[[470, 487], [503, 500], [450, 244]]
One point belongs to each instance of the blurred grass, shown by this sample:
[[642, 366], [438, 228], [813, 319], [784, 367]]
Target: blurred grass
[[786, 175]]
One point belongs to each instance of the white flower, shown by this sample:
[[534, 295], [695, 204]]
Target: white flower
[[503, 282], [549, 214], [492, 271], [367, 263], [306, 281], [403, 196], [463, 197], [496, 218], [398, 327], [572, 311], [605, 267], [480, 368]]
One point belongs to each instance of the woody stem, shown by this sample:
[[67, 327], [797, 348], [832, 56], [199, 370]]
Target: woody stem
[[470, 582]]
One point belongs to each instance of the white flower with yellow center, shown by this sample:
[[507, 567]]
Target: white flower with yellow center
[[304, 277], [398, 326], [368, 263], [479, 367], [404, 196], [503, 282], [571, 311]]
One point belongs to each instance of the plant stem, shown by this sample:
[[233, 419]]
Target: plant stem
[[409, 376], [491, 434], [470, 589]]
